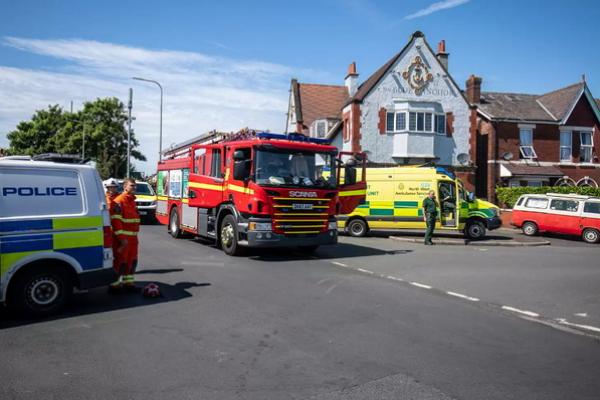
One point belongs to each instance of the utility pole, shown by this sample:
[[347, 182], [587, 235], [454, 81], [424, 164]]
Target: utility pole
[[129, 106], [71, 106], [161, 112]]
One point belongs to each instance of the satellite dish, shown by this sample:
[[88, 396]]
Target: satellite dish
[[463, 158], [507, 156]]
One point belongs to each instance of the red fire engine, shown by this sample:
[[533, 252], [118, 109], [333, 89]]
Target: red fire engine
[[259, 190]]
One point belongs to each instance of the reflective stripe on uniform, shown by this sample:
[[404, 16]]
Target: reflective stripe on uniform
[[126, 220], [126, 233]]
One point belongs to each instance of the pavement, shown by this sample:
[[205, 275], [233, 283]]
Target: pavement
[[282, 325], [504, 237]]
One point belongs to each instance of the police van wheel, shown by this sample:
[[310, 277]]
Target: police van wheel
[[41, 291], [174, 228], [530, 228], [228, 237], [475, 230], [357, 228], [591, 235]]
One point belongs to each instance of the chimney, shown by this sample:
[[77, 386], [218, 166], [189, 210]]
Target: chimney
[[474, 89], [351, 80], [441, 55]]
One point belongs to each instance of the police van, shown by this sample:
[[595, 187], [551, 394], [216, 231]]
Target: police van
[[395, 196], [55, 233]]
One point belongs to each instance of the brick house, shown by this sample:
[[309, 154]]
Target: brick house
[[535, 140], [409, 111]]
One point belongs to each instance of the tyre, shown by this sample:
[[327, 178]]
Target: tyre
[[591, 235], [308, 249], [357, 228], [475, 230], [530, 228], [174, 227], [40, 291], [228, 237]]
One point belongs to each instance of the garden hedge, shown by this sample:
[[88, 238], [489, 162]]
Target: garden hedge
[[507, 196]]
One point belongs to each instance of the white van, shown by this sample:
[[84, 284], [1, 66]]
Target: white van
[[55, 234]]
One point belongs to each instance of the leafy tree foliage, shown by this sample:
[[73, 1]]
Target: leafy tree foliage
[[102, 123]]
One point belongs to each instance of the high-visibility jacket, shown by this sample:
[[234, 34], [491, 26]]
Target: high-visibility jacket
[[126, 219]]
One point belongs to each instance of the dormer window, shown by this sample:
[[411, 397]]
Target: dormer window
[[319, 128]]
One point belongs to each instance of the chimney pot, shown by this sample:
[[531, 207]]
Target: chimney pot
[[441, 55], [442, 46]]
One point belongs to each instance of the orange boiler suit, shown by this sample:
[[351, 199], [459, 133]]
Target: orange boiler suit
[[126, 225]]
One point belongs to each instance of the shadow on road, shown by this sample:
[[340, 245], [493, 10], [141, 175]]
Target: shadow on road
[[341, 250], [438, 234], [99, 301], [158, 271]]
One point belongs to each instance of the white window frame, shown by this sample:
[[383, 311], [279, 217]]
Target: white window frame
[[586, 146], [568, 134], [314, 129], [522, 147], [406, 109]]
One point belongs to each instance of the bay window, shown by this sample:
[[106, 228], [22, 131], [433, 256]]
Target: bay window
[[566, 146], [409, 120]]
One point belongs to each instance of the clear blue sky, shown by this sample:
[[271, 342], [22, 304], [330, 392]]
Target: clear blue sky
[[520, 46]]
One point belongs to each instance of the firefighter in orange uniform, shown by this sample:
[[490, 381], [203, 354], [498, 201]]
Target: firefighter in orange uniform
[[127, 224], [111, 185]]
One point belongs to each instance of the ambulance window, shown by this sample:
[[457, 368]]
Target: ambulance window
[[215, 168], [40, 192], [591, 207], [536, 202], [564, 205]]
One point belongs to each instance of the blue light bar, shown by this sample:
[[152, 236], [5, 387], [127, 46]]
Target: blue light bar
[[296, 137], [444, 171]]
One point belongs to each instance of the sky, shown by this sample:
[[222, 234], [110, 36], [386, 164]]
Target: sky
[[226, 65]]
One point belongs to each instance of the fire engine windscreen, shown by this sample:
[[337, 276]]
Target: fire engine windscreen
[[284, 167]]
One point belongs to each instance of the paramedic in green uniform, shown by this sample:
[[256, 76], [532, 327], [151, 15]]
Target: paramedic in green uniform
[[429, 215]]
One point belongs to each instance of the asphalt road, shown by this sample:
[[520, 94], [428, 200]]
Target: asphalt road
[[279, 325]]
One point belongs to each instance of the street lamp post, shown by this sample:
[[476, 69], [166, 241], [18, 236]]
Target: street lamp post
[[161, 108]]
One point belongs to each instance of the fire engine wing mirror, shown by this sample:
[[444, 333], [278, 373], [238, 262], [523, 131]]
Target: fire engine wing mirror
[[241, 170], [471, 197], [349, 175]]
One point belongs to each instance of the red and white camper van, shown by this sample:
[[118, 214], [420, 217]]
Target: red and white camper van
[[566, 214]]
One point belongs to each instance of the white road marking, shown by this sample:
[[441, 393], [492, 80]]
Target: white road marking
[[417, 284], [462, 296], [331, 288], [580, 314], [366, 271], [339, 264], [563, 321], [524, 312], [394, 278]]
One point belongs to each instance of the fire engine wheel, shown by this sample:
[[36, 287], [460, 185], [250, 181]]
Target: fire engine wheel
[[174, 228], [475, 230], [228, 237], [530, 228], [591, 235], [40, 291], [357, 228]]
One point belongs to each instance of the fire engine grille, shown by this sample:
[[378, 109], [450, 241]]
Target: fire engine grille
[[300, 216]]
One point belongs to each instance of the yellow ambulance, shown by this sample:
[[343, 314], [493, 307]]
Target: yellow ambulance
[[395, 196]]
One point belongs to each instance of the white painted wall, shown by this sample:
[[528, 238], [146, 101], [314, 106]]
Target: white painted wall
[[393, 88]]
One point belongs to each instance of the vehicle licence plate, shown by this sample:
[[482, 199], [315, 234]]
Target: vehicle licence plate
[[143, 212], [302, 206]]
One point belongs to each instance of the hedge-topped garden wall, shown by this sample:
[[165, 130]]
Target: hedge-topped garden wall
[[508, 196]]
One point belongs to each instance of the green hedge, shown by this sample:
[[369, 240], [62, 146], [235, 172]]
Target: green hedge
[[508, 196]]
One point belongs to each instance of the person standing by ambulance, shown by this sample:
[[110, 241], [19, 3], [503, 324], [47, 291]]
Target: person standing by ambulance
[[128, 225], [429, 215]]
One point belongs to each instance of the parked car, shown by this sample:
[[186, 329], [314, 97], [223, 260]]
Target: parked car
[[145, 200], [566, 214]]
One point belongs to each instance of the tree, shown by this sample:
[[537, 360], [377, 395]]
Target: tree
[[102, 122], [38, 135]]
